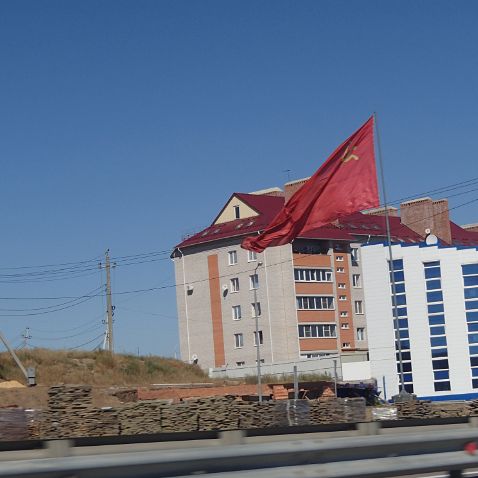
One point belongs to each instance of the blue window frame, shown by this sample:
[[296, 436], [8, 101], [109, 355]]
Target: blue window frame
[[470, 269], [401, 300], [404, 344], [401, 311], [435, 296], [475, 383], [471, 304], [471, 293], [397, 264], [399, 288], [473, 349], [408, 377], [440, 364], [432, 273], [474, 361], [473, 338], [434, 308], [431, 264], [442, 386], [402, 323], [471, 280], [434, 284], [436, 319], [473, 327], [405, 356], [474, 372], [472, 316], [398, 275], [403, 334], [408, 387], [438, 353], [441, 374], [438, 341], [407, 367], [440, 330]]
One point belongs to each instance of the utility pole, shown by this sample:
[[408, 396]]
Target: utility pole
[[26, 337], [109, 305]]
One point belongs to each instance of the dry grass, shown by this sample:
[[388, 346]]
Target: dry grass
[[98, 368], [289, 378]]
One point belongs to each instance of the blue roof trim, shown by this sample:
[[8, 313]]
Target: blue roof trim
[[456, 396], [421, 244]]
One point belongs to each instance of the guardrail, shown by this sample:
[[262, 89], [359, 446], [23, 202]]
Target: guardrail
[[367, 456]]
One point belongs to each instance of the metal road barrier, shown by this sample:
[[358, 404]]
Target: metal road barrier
[[364, 456]]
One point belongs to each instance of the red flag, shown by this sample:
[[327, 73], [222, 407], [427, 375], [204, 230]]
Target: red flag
[[345, 183]]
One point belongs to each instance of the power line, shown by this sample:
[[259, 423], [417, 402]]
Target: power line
[[87, 343]]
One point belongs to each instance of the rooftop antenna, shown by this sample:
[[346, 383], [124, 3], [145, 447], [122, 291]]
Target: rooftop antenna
[[288, 174]]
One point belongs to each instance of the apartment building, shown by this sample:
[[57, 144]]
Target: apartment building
[[308, 295]]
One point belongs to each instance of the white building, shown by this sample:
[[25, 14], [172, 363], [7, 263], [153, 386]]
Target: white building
[[437, 305]]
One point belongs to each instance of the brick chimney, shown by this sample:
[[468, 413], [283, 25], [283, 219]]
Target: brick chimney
[[291, 187], [424, 213]]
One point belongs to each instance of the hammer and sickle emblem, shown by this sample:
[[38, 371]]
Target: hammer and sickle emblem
[[349, 155]]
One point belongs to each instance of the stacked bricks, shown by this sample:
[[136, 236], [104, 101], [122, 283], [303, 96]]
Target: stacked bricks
[[70, 414], [340, 410], [472, 408], [216, 413], [142, 417], [13, 424], [415, 409]]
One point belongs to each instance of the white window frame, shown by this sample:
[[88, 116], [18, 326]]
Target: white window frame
[[361, 334], [345, 326], [358, 307], [261, 338], [357, 281], [251, 256], [236, 312], [237, 211], [312, 274], [232, 258], [340, 270], [254, 311], [235, 284], [240, 363], [254, 281], [346, 345], [342, 298], [354, 252], [339, 258], [344, 313], [315, 302], [317, 331], [341, 285], [238, 341]]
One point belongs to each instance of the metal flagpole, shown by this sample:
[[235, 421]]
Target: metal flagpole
[[403, 392]]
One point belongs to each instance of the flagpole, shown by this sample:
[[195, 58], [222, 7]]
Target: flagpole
[[392, 269]]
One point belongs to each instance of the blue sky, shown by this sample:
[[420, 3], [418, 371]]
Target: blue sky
[[126, 124]]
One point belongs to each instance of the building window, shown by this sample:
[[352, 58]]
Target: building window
[[341, 285], [470, 292], [354, 252], [342, 297], [345, 326], [237, 212], [339, 258], [346, 345], [360, 333], [251, 256], [241, 363], [238, 341], [340, 270], [313, 275], [261, 338], [356, 280], [315, 303], [254, 281], [235, 284], [344, 313], [232, 255], [256, 309], [236, 312], [313, 331], [358, 307]]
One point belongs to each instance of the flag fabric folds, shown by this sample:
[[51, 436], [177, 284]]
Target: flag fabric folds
[[345, 183]]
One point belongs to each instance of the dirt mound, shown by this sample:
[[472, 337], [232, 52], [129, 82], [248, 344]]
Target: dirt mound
[[11, 384]]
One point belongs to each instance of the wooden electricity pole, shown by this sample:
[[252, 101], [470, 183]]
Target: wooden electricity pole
[[109, 304]]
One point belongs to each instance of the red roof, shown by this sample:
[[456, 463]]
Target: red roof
[[349, 228], [266, 206]]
